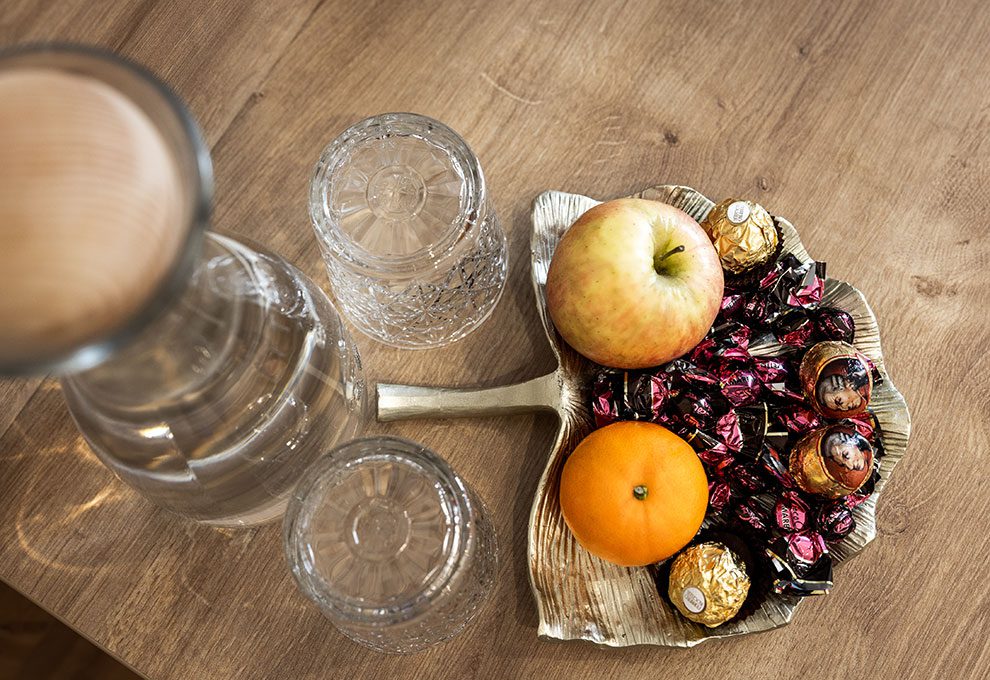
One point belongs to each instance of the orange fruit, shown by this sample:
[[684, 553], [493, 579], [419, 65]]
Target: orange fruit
[[633, 493]]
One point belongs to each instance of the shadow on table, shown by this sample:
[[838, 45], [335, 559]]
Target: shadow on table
[[57, 497]]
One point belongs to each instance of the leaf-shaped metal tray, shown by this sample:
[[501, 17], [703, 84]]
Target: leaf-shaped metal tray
[[580, 596]]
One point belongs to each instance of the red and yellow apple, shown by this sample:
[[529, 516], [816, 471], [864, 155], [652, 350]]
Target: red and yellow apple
[[634, 283]]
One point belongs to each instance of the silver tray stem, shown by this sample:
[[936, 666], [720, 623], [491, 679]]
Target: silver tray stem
[[401, 402]]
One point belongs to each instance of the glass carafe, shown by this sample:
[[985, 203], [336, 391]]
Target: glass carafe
[[215, 393], [216, 409]]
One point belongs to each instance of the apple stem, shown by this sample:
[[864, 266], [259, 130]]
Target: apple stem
[[678, 249], [639, 492]]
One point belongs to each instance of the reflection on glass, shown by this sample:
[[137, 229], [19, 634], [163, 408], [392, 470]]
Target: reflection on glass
[[397, 551], [415, 253]]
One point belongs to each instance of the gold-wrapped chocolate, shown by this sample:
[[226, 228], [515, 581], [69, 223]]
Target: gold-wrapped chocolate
[[832, 461], [836, 379], [708, 583], [743, 233]]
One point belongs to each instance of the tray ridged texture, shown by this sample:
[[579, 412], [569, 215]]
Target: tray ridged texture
[[582, 597]]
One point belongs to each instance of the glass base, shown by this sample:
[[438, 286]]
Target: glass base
[[397, 196], [391, 545], [427, 315], [415, 253]]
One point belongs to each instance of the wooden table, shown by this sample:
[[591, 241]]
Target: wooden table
[[865, 123]]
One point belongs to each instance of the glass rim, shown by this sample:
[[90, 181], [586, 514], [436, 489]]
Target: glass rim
[[348, 455], [471, 212], [175, 280]]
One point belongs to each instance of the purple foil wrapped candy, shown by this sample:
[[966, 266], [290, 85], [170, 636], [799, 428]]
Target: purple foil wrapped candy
[[627, 395], [690, 373], [774, 464], [719, 495], [741, 388], [796, 335], [718, 459], [778, 377], [732, 306], [832, 323], [835, 521], [646, 395], [865, 424], [702, 441], [704, 351], [750, 513], [791, 578], [747, 479], [759, 310], [808, 293], [772, 369], [603, 404], [804, 548], [855, 499], [791, 512], [736, 334], [797, 419], [799, 284], [770, 277], [728, 430], [694, 409]]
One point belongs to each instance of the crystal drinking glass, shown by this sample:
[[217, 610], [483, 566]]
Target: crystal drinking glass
[[391, 544], [415, 252], [217, 372]]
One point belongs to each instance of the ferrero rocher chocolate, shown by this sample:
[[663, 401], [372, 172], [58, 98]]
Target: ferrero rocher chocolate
[[743, 233], [836, 379], [832, 461], [708, 583]]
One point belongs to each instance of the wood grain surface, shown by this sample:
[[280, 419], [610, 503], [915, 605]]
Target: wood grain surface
[[36, 646], [866, 123]]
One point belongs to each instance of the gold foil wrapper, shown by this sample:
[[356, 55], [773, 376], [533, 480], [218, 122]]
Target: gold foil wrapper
[[827, 370], [819, 471], [708, 583], [743, 233]]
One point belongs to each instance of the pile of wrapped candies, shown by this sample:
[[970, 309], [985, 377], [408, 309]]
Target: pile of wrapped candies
[[775, 401]]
